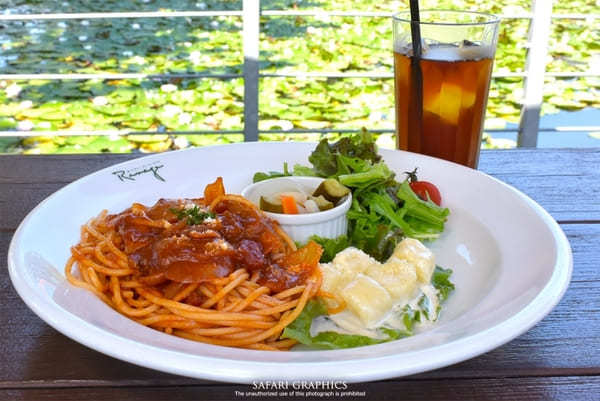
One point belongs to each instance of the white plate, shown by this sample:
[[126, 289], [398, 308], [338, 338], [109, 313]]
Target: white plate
[[511, 261]]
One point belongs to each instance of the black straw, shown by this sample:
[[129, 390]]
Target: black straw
[[416, 72], [415, 28]]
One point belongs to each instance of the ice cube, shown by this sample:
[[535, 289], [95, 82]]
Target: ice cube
[[474, 52], [442, 53], [468, 99], [433, 77], [432, 104], [450, 99], [448, 102], [451, 52]]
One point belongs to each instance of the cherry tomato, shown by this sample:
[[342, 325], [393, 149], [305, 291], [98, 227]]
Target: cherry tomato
[[426, 190]]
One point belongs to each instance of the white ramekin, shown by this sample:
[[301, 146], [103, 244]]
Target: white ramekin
[[327, 224]]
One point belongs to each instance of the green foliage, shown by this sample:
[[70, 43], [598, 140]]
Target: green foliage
[[441, 281], [383, 210], [192, 216], [214, 45], [331, 246]]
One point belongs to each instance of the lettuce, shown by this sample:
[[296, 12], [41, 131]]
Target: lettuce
[[426, 212], [331, 159], [261, 176], [370, 174], [331, 247], [416, 218], [383, 210], [323, 159], [301, 170], [441, 281]]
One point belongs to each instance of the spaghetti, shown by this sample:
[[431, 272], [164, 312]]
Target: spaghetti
[[214, 269]]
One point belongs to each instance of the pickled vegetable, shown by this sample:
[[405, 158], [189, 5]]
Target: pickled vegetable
[[269, 205], [332, 190], [300, 201], [322, 203]]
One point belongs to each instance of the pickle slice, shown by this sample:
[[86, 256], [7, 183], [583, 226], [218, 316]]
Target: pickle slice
[[322, 203], [269, 205], [332, 190]]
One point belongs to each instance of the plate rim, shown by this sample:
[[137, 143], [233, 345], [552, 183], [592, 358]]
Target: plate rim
[[242, 371]]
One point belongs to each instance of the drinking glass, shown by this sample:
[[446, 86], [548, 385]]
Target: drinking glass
[[441, 93]]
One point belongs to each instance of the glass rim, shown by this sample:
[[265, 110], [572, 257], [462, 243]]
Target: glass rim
[[490, 18]]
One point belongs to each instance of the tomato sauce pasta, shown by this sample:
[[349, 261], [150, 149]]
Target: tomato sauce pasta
[[213, 269]]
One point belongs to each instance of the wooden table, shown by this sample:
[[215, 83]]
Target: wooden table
[[557, 359]]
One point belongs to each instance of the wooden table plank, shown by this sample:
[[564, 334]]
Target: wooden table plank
[[16, 200], [61, 169], [565, 343], [580, 388], [565, 182]]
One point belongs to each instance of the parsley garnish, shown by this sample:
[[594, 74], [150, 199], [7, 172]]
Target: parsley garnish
[[193, 215]]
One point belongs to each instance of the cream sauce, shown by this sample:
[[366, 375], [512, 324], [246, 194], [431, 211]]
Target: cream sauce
[[347, 322]]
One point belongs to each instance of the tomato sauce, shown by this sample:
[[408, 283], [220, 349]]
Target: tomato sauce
[[164, 245]]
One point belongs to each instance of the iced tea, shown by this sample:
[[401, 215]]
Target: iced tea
[[455, 82]]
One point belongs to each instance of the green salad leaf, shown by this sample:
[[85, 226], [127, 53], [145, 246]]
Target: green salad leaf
[[331, 246], [300, 170], [366, 175], [297, 170], [260, 176], [323, 159], [441, 281], [426, 212], [383, 210], [326, 157]]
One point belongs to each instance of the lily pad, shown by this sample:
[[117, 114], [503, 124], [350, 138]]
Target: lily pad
[[312, 124], [156, 146], [112, 110], [7, 124], [147, 139], [99, 145], [79, 140], [41, 148], [9, 144]]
